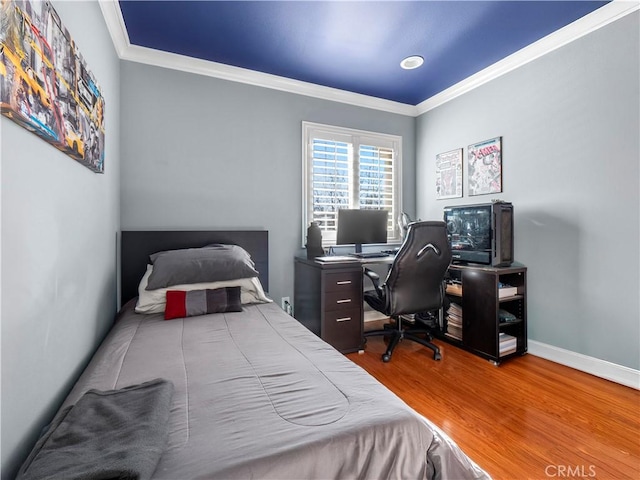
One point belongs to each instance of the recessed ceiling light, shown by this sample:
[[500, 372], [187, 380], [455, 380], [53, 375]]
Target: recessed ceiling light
[[412, 62]]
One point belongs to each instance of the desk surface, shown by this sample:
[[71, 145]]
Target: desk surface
[[343, 261]]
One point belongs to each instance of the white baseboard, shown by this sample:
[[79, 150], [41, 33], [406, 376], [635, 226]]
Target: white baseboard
[[594, 366]]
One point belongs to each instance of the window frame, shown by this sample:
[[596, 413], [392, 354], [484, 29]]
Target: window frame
[[354, 138]]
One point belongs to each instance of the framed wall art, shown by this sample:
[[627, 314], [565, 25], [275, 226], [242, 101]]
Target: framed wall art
[[45, 85], [485, 167], [449, 174]]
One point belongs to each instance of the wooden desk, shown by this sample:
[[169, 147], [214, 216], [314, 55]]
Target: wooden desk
[[328, 300]]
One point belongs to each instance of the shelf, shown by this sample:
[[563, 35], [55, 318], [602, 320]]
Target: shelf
[[448, 338], [476, 289], [452, 337], [503, 356], [510, 299]]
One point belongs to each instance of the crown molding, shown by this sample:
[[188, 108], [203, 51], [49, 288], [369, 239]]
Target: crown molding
[[126, 51], [115, 25], [183, 63], [120, 38], [581, 27]]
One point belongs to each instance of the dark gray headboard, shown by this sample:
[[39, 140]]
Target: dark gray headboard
[[136, 246]]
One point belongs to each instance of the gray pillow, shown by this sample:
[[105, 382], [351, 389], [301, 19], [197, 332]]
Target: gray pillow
[[212, 263]]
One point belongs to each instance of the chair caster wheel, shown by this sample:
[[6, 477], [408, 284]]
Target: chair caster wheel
[[386, 357], [437, 356]]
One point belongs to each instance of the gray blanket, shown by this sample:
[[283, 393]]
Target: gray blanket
[[258, 396], [115, 434]]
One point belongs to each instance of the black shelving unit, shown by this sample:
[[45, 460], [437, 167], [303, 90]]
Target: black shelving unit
[[476, 289]]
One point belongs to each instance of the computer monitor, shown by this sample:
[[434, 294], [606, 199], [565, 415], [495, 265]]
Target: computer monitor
[[361, 226]]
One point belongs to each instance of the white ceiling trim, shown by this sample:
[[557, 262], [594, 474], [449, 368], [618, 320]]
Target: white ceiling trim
[[183, 63], [581, 27], [115, 24], [120, 38], [117, 29]]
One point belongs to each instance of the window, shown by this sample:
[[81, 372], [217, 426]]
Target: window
[[345, 168]]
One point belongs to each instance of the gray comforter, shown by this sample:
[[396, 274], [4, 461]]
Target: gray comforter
[[258, 396]]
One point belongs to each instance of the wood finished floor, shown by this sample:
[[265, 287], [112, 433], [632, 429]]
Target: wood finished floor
[[527, 418]]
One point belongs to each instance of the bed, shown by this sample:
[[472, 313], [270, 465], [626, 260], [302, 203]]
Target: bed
[[253, 393]]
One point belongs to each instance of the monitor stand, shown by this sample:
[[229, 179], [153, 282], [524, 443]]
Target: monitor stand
[[358, 248]]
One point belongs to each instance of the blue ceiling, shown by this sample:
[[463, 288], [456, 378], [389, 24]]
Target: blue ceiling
[[355, 46]]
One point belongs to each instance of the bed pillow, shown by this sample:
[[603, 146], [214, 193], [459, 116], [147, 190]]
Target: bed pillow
[[197, 265], [154, 301], [181, 303]]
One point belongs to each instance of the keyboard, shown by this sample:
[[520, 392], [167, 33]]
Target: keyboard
[[370, 254]]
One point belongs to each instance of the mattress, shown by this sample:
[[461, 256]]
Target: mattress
[[256, 395]]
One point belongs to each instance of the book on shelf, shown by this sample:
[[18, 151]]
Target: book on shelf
[[505, 290], [508, 351], [451, 320], [455, 309], [454, 289], [506, 338], [454, 336], [507, 344], [454, 331], [454, 322], [451, 325]]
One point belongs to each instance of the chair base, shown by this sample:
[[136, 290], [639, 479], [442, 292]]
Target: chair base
[[398, 334]]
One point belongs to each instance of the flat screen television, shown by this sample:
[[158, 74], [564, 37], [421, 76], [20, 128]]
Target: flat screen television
[[361, 226], [481, 233]]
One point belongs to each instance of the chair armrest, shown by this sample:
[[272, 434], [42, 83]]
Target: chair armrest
[[375, 279]]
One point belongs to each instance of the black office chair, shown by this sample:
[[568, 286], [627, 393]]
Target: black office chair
[[414, 285]]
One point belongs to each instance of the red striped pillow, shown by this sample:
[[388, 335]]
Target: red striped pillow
[[182, 303]]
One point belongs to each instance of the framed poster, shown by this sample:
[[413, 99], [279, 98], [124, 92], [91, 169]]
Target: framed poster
[[45, 85], [449, 174], [485, 167]]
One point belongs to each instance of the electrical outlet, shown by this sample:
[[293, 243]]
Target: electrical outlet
[[286, 302]]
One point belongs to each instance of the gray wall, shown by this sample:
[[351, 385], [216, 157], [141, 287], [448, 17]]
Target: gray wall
[[570, 123], [205, 153], [59, 224]]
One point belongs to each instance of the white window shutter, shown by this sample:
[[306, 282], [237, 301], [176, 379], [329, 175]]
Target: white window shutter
[[346, 168]]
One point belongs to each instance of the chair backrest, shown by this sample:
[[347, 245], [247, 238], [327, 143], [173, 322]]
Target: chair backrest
[[415, 280]]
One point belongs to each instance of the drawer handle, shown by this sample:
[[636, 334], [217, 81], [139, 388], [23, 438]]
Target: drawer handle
[[346, 300], [344, 282], [343, 319]]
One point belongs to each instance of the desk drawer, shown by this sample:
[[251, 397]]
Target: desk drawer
[[341, 301], [343, 281], [343, 329]]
